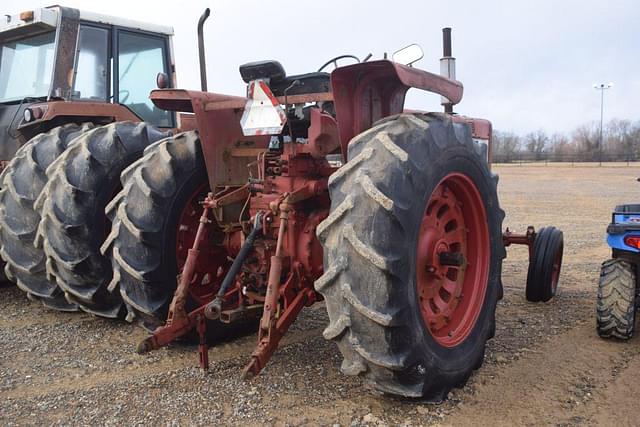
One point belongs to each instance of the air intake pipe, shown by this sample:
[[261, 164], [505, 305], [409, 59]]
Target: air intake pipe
[[447, 66], [203, 65]]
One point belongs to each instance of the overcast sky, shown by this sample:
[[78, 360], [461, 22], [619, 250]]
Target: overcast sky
[[524, 65]]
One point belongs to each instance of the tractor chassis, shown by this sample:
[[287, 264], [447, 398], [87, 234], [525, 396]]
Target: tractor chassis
[[274, 322]]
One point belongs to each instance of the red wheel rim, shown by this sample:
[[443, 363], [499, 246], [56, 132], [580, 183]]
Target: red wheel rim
[[453, 255], [212, 262]]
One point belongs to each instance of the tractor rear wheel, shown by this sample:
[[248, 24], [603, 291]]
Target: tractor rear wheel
[[21, 182], [155, 218], [413, 254], [544, 265], [73, 226], [616, 307]]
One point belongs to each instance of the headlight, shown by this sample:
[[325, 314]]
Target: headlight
[[28, 115], [33, 113]]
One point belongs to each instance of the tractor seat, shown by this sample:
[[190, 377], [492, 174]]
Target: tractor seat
[[308, 83], [279, 81]]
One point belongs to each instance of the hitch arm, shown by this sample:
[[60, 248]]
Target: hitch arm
[[273, 324], [178, 321], [510, 238], [268, 344]]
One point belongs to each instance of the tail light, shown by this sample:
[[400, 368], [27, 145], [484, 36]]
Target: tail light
[[633, 241]]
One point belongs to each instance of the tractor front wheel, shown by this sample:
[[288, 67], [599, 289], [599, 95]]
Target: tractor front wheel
[[544, 265], [616, 307], [413, 254]]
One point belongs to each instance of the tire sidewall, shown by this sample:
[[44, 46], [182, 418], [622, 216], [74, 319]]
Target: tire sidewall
[[189, 183]]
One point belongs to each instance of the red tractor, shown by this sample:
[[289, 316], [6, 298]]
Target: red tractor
[[321, 187]]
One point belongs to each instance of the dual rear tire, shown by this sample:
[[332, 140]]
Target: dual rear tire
[[22, 182], [155, 217], [52, 219]]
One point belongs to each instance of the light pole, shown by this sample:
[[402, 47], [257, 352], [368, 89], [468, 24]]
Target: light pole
[[601, 87]]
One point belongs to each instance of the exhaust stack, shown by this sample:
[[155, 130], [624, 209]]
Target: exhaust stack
[[203, 65], [447, 66]]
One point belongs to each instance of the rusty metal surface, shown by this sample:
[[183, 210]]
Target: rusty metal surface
[[323, 134], [291, 99], [181, 99], [65, 53], [81, 109], [186, 122], [369, 91], [510, 238], [420, 79], [219, 131]]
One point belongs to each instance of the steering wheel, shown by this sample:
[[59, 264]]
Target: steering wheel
[[123, 99], [335, 60]]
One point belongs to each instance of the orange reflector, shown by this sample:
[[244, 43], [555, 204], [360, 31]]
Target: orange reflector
[[27, 16], [633, 241]]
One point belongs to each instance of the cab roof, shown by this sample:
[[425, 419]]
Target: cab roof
[[47, 18]]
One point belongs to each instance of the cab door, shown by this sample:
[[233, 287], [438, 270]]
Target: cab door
[[138, 58], [91, 79]]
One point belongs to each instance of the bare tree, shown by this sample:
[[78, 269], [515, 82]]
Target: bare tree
[[619, 141], [586, 139], [536, 142], [561, 147], [505, 146]]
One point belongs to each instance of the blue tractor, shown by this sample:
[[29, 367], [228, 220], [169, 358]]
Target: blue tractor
[[617, 288]]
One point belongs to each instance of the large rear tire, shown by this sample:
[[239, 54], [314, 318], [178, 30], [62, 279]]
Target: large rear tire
[[157, 206], [73, 226], [616, 307], [21, 182], [411, 299]]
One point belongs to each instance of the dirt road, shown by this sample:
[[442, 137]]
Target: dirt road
[[546, 366]]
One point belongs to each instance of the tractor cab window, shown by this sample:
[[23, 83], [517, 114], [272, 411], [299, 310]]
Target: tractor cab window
[[140, 58], [92, 64], [26, 66]]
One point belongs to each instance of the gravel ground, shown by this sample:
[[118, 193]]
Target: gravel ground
[[545, 366]]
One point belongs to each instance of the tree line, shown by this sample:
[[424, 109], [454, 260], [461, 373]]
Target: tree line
[[620, 142]]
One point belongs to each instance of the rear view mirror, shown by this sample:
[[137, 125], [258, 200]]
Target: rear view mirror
[[408, 55]]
